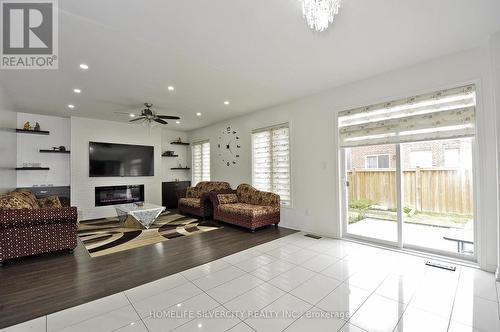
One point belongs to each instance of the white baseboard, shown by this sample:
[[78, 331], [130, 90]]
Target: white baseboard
[[307, 230]]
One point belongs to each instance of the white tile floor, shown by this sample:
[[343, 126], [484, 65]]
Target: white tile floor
[[296, 284]]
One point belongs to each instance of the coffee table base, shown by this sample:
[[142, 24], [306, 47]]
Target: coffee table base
[[131, 222], [133, 216]]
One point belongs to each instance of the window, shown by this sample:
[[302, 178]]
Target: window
[[377, 161], [452, 157], [271, 161], [421, 159], [201, 162]]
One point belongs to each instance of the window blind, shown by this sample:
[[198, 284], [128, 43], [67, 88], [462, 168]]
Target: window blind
[[439, 115], [271, 161], [201, 162]]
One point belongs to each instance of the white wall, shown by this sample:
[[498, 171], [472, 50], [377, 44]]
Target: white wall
[[28, 150], [8, 146], [495, 59], [168, 162], [84, 130], [314, 150]]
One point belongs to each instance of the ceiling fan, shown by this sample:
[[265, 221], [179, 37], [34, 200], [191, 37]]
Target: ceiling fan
[[149, 116]]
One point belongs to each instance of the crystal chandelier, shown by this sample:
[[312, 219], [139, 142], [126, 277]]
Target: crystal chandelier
[[319, 13]]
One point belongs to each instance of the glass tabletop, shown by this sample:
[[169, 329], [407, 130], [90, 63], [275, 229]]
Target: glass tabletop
[[134, 207]]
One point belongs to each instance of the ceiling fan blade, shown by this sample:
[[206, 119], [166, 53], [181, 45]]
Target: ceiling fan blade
[[170, 117], [137, 119], [160, 121], [127, 114]]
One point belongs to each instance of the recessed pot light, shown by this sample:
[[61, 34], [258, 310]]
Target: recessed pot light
[[171, 88], [177, 122], [198, 114], [77, 91], [71, 106], [226, 102], [132, 115], [84, 66]]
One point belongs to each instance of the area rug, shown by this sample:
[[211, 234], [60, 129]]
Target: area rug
[[107, 236]]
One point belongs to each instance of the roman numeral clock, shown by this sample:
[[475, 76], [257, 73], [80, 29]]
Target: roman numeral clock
[[229, 146]]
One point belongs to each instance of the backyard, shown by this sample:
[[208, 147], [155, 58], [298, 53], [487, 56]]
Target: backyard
[[437, 212], [448, 220]]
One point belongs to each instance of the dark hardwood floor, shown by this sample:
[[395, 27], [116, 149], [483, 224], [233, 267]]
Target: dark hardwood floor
[[36, 286]]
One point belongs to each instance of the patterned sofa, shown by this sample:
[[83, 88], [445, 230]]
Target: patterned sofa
[[247, 207], [196, 200], [30, 226]]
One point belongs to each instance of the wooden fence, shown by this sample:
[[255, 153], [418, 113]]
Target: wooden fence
[[429, 190]]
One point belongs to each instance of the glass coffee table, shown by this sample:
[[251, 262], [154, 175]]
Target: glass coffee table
[[138, 216]]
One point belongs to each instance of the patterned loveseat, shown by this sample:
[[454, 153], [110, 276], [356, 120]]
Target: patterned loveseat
[[247, 207], [196, 200], [30, 226]]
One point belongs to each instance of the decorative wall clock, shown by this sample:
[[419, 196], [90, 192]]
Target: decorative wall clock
[[229, 146]]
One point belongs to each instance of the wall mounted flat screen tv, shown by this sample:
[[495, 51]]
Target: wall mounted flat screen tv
[[111, 160]]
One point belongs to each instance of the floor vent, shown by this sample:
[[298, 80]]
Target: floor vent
[[441, 266], [312, 236]]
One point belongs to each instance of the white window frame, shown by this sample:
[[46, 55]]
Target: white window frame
[[270, 128], [200, 143], [378, 160]]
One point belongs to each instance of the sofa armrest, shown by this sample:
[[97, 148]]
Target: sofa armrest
[[205, 197], [276, 200], [268, 199], [65, 202], [12, 218], [181, 193]]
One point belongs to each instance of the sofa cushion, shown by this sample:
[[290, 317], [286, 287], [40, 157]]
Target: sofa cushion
[[28, 196], [248, 194], [13, 202], [249, 210], [227, 198], [49, 202], [190, 201]]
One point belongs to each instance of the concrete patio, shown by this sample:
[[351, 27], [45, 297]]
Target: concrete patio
[[422, 235]]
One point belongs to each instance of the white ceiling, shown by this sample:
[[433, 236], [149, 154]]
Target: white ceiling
[[255, 53]]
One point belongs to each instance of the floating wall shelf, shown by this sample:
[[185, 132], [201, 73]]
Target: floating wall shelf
[[171, 156], [35, 132], [179, 168], [32, 168], [179, 143], [54, 151]]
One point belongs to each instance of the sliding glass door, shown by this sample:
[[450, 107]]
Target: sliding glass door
[[438, 200], [407, 169], [371, 192]]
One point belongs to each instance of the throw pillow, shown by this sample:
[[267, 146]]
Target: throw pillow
[[13, 202], [227, 198], [26, 195], [50, 202]]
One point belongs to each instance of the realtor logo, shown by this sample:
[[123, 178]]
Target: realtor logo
[[29, 34]]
